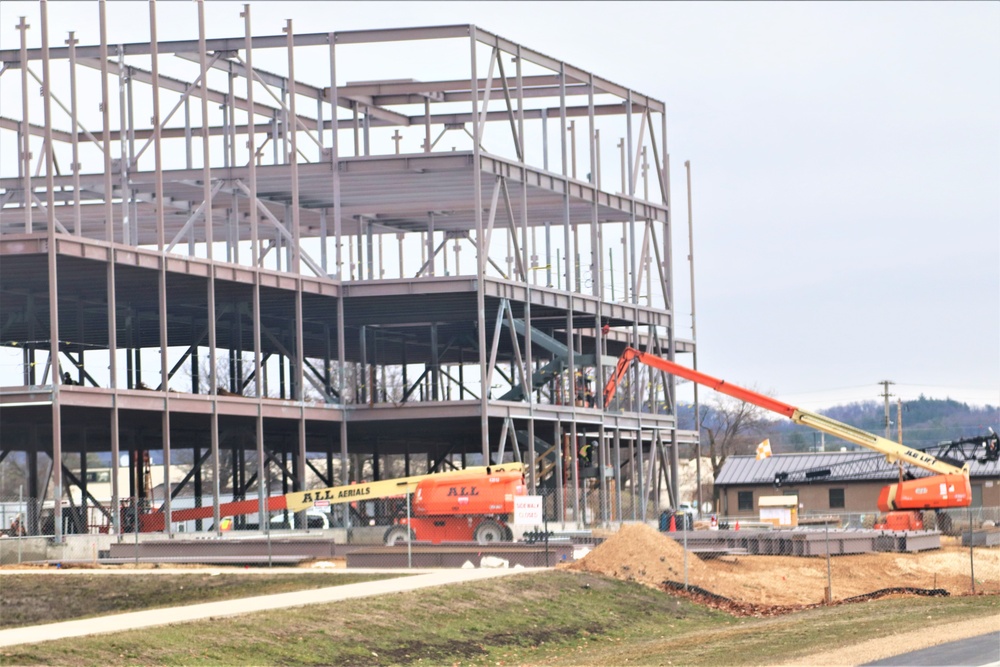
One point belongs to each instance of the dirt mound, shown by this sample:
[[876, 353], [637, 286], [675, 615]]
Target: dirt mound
[[640, 553]]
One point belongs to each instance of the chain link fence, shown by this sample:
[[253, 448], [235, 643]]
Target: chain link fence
[[399, 531]]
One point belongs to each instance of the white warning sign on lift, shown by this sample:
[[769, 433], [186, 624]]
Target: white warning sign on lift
[[528, 510]]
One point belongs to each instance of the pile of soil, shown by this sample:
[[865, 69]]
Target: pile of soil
[[640, 553]]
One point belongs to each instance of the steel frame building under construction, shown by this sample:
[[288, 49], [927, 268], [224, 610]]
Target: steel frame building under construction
[[328, 254]]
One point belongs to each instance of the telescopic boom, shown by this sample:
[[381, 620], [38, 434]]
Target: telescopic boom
[[949, 488]]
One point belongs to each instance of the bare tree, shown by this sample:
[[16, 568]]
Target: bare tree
[[13, 477], [731, 427]]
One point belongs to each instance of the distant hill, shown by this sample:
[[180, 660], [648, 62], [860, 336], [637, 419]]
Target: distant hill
[[926, 422]]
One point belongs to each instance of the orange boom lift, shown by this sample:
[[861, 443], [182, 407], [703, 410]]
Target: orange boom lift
[[458, 505], [948, 487]]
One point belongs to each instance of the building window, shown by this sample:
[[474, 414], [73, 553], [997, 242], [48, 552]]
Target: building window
[[744, 500], [836, 499]]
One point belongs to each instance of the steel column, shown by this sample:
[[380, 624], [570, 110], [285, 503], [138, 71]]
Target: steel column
[[25, 132], [484, 393], [75, 137], [57, 462], [213, 379], [112, 318], [668, 273], [694, 334], [162, 273]]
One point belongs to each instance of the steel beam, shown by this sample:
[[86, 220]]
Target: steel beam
[[53, 282]]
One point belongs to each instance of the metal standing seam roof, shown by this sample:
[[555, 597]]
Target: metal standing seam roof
[[747, 470]]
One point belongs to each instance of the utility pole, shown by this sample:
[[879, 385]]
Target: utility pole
[[885, 394], [899, 420]]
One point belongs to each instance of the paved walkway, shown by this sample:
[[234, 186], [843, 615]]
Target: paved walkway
[[152, 617]]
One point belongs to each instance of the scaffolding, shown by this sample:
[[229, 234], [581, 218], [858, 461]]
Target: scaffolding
[[329, 254]]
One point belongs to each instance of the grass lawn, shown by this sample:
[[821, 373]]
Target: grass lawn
[[34, 599], [554, 617]]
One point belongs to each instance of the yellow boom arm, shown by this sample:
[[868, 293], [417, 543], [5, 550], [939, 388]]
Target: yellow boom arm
[[893, 450], [300, 500]]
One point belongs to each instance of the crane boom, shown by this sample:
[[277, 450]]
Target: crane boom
[[893, 451]]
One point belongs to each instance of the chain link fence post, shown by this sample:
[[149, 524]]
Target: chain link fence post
[[135, 527], [685, 553], [20, 504], [266, 520], [409, 535], [972, 563], [829, 578]]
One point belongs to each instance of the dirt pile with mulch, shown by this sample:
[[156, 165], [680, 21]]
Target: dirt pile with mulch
[[640, 553]]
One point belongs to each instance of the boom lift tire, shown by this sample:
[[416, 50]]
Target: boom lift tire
[[489, 531], [399, 535]]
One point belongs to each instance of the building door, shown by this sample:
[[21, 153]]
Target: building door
[[977, 495]]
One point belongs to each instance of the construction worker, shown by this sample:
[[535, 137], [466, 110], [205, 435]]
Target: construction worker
[[584, 390], [587, 453]]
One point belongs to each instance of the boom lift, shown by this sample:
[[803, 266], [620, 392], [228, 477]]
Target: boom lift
[[458, 505], [948, 487]]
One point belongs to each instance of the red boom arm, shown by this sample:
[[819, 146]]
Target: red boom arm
[[631, 354], [949, 487]]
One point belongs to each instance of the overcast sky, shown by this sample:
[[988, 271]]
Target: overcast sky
[[845, 161]]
